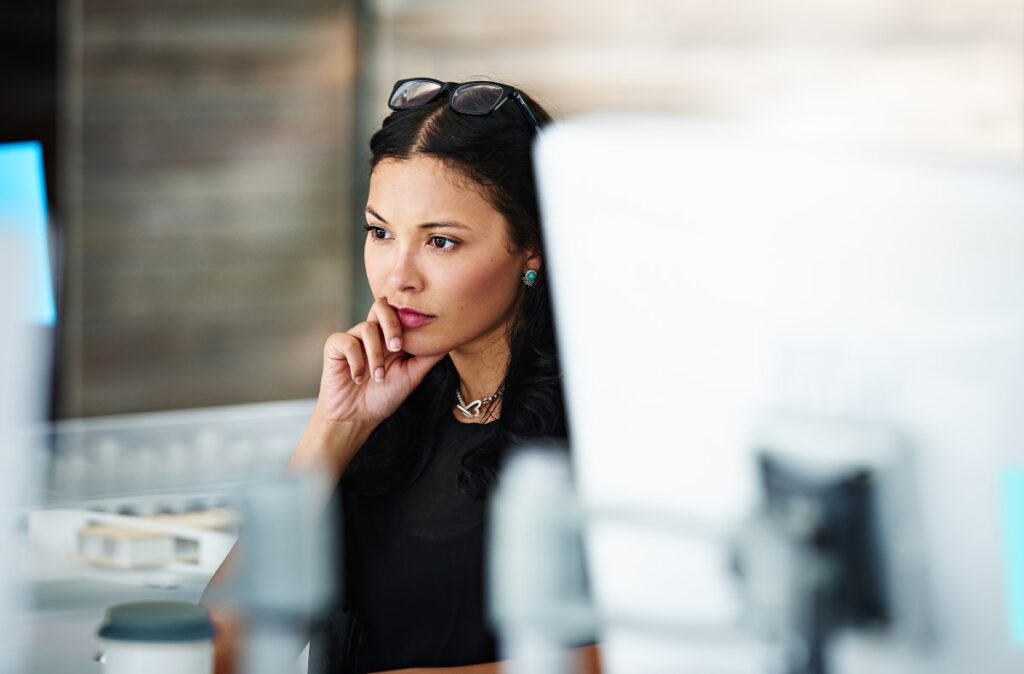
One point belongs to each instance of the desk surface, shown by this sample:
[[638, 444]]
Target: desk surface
[[63, 616]]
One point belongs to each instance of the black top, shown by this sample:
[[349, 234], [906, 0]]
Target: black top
[[415, 566]]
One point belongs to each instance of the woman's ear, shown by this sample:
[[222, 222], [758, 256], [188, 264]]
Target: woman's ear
[[534, 261]]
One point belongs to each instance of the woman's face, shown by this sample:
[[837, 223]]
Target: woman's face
[[438, 247]]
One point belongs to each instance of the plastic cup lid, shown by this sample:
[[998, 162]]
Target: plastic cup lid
[[157, 621]]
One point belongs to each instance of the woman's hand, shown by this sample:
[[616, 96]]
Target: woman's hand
[[366, 375]]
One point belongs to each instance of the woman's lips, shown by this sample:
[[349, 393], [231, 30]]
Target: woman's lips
[[412, 319]]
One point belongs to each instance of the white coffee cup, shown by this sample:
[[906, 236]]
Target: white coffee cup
[[157, 637]]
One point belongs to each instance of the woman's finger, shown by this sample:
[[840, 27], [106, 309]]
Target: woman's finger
[[373, 346], [334, 347], [389, 358], [347, 347], [387, 317], [417, 367]]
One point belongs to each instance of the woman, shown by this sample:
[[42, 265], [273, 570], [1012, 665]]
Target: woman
[[455, 361]]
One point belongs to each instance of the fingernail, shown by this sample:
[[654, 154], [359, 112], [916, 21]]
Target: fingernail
[[359, 379], [378, 374], [395, 343]]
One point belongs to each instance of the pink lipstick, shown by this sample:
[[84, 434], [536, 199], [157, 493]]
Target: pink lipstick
[[413, 319]]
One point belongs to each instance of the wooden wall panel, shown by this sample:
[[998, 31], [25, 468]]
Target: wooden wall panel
[[942, 78], [210, 252]]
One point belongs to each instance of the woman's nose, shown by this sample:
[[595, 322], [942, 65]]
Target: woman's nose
[[405, 274]]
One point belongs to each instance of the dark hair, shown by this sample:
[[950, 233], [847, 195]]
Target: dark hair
[[494, 152]]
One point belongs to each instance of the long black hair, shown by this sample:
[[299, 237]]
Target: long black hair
[[494, 152]]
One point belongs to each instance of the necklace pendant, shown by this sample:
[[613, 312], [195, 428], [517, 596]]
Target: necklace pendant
[[472, 410]]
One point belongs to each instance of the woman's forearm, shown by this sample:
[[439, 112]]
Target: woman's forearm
[[323, 446], [329, 446]]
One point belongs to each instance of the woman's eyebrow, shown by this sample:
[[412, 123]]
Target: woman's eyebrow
[[425, 225]]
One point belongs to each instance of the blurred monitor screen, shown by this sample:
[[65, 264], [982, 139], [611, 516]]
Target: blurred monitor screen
[[706, 276], [23, 215]]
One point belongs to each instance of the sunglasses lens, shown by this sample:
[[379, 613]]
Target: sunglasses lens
[[416, 92], [477, 99]]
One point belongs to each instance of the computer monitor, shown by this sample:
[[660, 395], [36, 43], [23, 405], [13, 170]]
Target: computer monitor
[[27, 316], [711, 282], [23, 215]]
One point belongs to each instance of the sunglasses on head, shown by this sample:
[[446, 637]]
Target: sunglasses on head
[[469, 98]]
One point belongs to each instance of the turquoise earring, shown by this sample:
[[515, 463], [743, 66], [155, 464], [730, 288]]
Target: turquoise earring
[[529, 278]]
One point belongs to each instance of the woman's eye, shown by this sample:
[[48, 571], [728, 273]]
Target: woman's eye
[[442, 243], [373, 231], [444, 240]]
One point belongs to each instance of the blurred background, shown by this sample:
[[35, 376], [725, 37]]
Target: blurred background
[[205, 168], [206, 159]]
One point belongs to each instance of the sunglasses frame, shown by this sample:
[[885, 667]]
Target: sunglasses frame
[[506, 93]]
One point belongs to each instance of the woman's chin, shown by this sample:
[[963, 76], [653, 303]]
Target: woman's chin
[[417, 347]]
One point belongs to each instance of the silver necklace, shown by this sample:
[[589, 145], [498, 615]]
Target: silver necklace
[[472, 410]]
